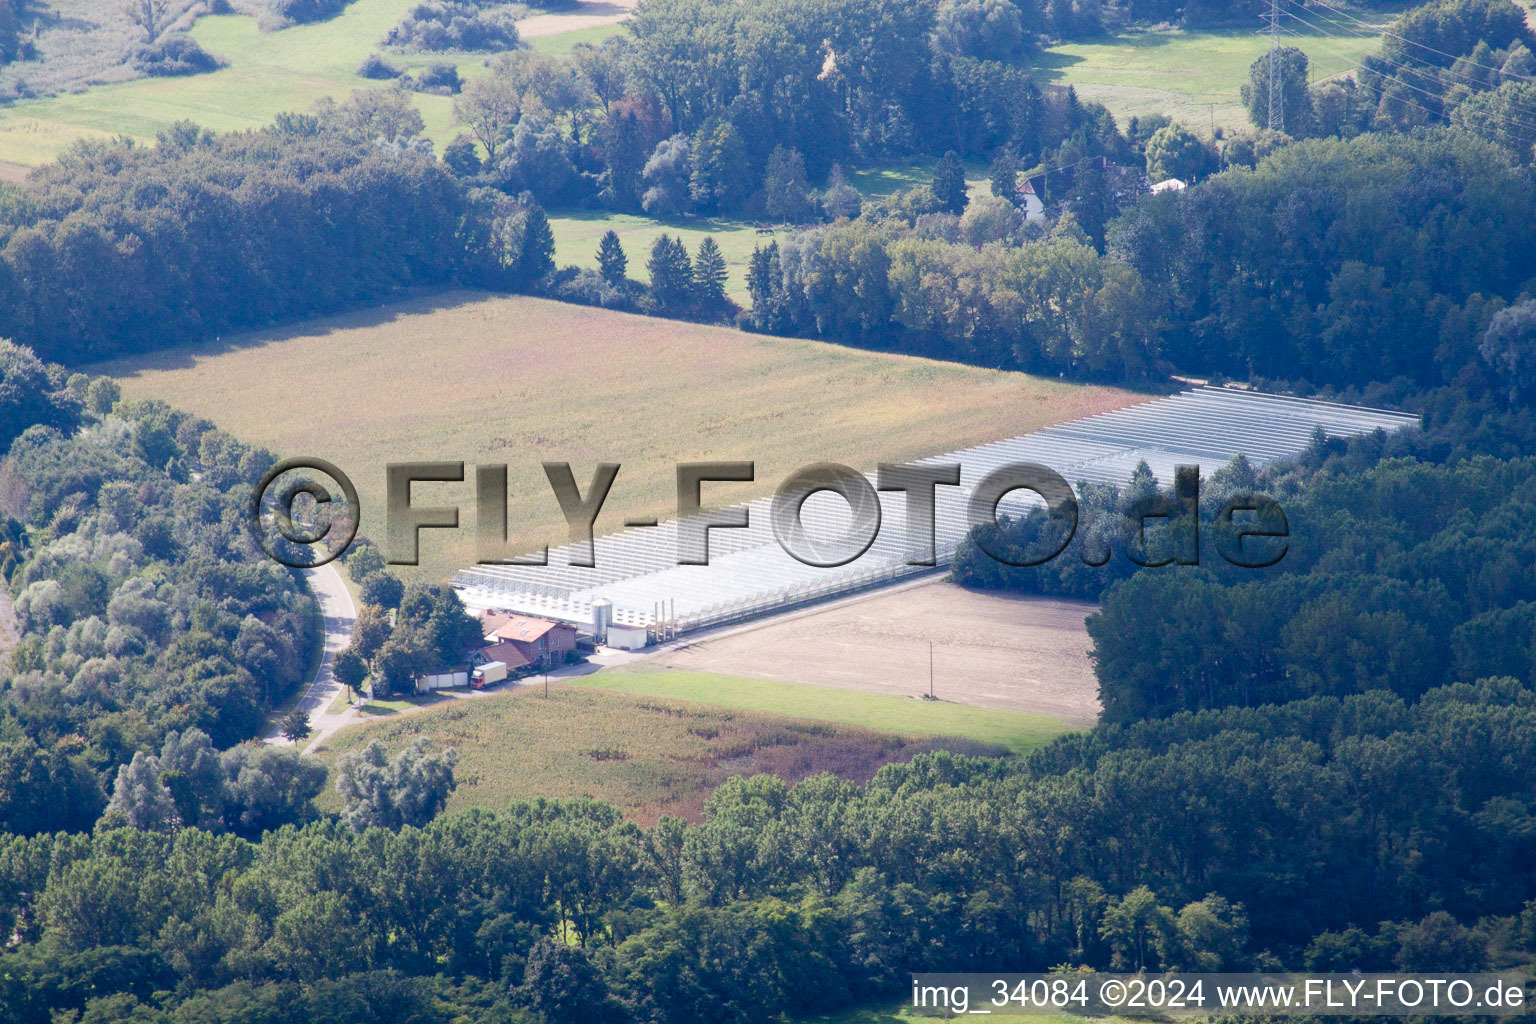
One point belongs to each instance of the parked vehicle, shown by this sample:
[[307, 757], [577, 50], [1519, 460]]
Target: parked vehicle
[[484, 675]]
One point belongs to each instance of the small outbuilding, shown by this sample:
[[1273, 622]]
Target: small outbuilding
[[626, 637]]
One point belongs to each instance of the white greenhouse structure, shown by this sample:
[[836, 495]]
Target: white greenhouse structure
[[638, 584]]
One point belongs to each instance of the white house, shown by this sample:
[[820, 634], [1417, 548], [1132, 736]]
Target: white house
[[1034, 209]]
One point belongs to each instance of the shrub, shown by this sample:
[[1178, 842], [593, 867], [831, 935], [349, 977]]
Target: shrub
[[461, 157], [175, 55], [281, 14], [588, 287], [455, 25], [377, 69], [442, 79]]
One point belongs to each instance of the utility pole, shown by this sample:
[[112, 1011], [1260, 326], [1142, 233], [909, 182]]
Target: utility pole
[[1276, 107], [930, 669]]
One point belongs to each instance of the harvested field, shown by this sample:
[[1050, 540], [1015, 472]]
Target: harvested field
[[989, 650], [647, 756], [518, 380]]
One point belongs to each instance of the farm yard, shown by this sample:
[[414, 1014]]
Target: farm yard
[[647, 755], [519, 380], [989, 650]]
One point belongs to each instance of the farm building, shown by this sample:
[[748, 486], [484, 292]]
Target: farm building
[[1034, 207], [508, 653], [637, 583], [537, 642]]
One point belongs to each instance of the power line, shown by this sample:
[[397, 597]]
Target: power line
[[1409, 102], [1276, 108], [1411, 42], [1433, 113], [1529, 126], [1411, 68]]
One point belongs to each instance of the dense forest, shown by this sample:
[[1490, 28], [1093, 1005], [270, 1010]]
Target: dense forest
[[10, 32], [143, 609], [120, 248], [1326, 833]]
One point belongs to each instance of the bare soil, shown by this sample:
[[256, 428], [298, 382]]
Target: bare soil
[[989, 650], [587, 14]]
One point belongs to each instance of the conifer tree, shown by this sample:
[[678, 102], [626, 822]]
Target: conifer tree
[[949, 183], [709, 276], [611, 261]]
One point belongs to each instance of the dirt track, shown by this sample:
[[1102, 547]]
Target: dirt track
[[590, 13], [1021, 653]]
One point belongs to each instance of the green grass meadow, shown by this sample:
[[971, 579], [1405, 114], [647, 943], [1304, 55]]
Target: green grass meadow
[[1019, 731], [266, 73], [577, 233], [653, 744], [1193, 77]]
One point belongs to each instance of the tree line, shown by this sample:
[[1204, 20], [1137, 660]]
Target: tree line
[[1326, 833], [121, 248]]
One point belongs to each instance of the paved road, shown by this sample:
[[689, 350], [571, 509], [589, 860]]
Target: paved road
[[340, 616]]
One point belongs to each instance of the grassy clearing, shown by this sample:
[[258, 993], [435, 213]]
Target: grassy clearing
[[648, 756], [1018, 731], [562, 43], [518, 380], [266, 73], [1193, 77], [577, 232]]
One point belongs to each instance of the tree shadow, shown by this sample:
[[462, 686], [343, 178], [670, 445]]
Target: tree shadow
[[364, 314], [674, 222]]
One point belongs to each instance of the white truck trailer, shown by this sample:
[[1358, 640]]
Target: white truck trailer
[[486, 673]]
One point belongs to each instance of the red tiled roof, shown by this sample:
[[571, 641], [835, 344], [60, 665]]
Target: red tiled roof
[[508, 654], [522, 628]]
